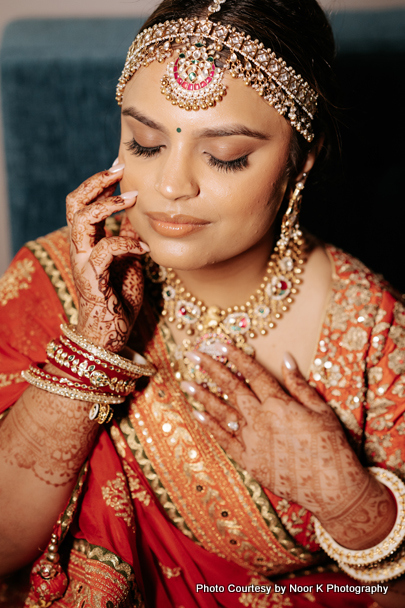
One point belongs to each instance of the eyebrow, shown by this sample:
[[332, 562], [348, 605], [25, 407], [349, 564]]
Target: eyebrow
[[233, 130], [144, 119], [227, 131]]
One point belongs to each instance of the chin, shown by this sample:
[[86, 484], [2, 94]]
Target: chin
[[180, 256]]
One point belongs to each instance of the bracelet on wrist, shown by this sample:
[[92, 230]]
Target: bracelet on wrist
[[133, 369], [63, 387], [91, 371], [386, 547], [380, 572]]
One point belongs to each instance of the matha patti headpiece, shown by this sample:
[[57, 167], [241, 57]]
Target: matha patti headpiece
[[194, 80]]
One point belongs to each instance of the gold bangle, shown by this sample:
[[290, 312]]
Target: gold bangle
[[387, 546], [101, 412], [133, 369], [71, 393]]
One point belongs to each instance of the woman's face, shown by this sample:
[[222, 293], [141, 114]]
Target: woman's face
[[209, 182]]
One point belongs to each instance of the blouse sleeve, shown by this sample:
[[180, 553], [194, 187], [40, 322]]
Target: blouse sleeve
[[385, 422], [30, 315]]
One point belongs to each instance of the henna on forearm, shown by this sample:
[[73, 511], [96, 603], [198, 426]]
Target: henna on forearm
[[49, 435]]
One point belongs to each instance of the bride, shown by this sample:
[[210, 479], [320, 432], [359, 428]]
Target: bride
[[236, 471]]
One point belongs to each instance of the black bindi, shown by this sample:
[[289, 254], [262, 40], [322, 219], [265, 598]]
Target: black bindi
[[178, 130]]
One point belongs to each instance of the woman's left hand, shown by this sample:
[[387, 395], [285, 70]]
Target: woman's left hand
[[291, 442]]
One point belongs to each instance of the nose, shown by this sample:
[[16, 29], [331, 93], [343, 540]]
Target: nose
[[176, 178]]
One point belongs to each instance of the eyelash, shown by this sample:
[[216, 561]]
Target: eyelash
[[238, 164]]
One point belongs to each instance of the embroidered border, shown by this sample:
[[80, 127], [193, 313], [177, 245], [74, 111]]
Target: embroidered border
[[56, 279]]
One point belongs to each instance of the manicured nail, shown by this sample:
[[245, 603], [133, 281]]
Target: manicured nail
[[144, 246], [129, 195], [290, 362], [139, 359], [219, 348], [188, 387], [117, 168], [193, 357], [115, 162], [199, 416]]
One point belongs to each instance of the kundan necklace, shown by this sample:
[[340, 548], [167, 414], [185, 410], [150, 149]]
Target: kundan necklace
[[206, 325]]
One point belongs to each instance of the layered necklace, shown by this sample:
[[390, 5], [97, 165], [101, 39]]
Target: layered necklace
[[206, 325]]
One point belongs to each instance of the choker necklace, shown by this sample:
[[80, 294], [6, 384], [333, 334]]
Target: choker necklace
[[205, 326]]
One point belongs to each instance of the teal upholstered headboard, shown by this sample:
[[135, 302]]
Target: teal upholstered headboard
[[61, 125]]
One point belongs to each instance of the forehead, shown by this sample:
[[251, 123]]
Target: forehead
[[241, 105]]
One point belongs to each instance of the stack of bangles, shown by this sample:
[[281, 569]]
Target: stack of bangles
[[384, 561], [103, 378]]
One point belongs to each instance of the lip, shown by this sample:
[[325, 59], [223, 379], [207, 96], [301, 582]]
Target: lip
[[175, 226]]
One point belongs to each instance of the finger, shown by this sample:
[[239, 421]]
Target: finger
[[91, 189], [127, 279], [233, 446], [224, 414], [127, 229], [86, 221], [260, 380], [299, 388], [228, 382], [111, 247]]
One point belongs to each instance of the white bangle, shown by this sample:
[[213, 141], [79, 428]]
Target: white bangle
[[380, 572], [387, 546]]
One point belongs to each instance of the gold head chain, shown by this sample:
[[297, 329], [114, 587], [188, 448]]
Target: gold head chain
[[194, 80]]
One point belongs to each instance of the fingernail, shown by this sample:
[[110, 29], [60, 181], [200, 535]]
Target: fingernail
[[199, 416], [139, 359], [193, 357], [188, 387], [128, 195], [144, 246], [290, 362], [115, 162], [219, 348], [116, 168]]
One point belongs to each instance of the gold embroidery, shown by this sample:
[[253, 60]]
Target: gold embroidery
[[263, 600], [135, 486], [116, 495], [118, 441], [396, 361], [170, 572], [56, 279], [355, 339], [153, 479], [17, 278], [399, 314], [203, 484], [99, 579], [9, 379]]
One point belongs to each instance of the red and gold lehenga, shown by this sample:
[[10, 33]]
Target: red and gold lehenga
[[160, 508]]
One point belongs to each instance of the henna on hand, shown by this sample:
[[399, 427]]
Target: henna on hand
[[106, 270], [294, 445]]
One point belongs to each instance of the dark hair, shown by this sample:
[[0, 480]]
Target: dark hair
[[296, 30]]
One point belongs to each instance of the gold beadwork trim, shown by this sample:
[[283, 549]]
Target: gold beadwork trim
[[56, 279]]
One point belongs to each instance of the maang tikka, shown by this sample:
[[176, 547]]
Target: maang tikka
[[206, 51]]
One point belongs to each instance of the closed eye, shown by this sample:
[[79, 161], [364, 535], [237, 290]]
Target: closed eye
[[228, 165], [139, 150]]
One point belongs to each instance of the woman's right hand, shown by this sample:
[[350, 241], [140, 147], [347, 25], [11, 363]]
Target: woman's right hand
[[106, 270]]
